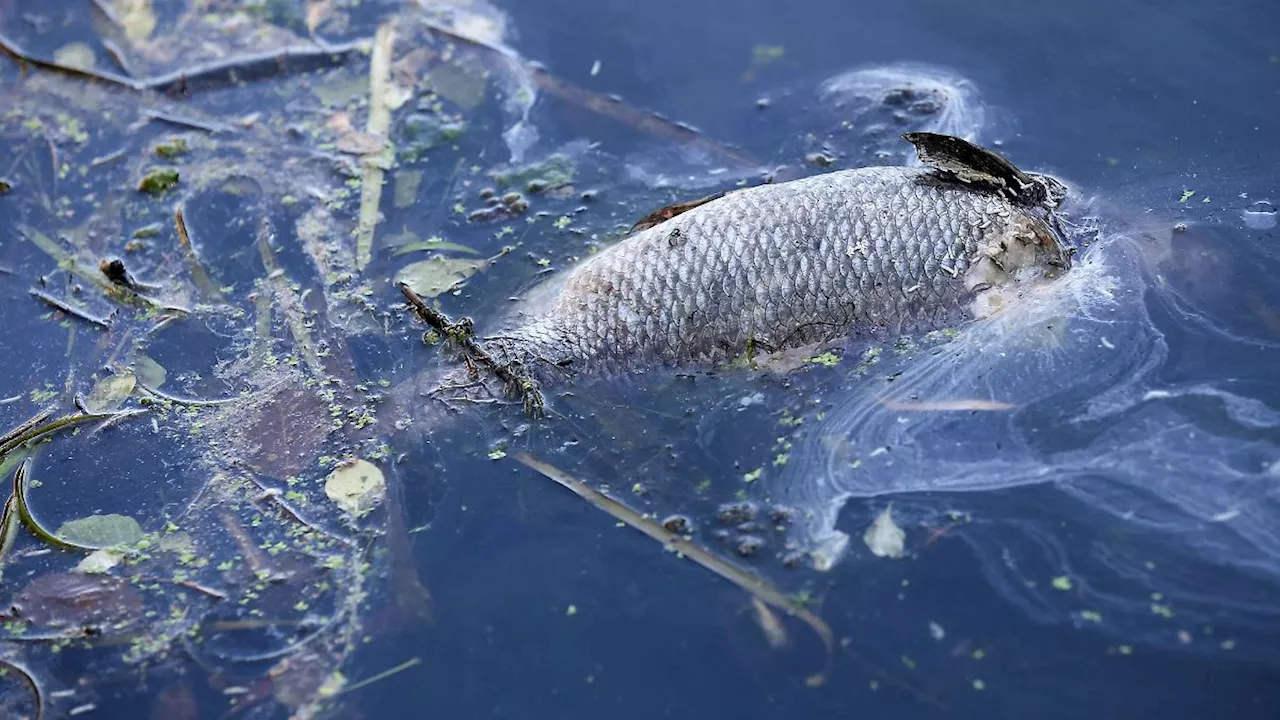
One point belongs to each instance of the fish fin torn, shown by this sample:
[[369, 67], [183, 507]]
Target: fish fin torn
[[968, 163], [664, 214]]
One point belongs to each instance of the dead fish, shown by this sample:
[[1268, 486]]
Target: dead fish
[[873, 251]]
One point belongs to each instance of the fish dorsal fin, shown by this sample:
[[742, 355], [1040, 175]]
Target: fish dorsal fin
[[664, 214], [976, 165]]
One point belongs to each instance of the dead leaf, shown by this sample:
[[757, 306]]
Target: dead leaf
[[110, 392], [884, 538], [356, 487]]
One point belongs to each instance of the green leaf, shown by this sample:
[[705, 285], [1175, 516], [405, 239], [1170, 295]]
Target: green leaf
[[101, 531], [438, 275]]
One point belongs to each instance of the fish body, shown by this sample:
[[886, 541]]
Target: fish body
[[873, 251]]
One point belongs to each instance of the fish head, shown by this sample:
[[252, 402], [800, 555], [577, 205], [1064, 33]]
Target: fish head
[[1026, 250], [1047, 190]]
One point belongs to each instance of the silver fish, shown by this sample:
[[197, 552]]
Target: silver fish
[[875, 251]]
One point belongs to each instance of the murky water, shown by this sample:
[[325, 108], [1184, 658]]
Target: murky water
[[1089, 488]]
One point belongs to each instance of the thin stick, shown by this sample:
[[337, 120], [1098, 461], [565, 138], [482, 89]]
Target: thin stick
[[411, 662], [69, 310], [641, 120], [8, 530], [266, 493], [459, 333], [23, 429], [189, 584], [203, 283], [748, 581], [212, 74], [189, 122], [29, 431], [193, 402]]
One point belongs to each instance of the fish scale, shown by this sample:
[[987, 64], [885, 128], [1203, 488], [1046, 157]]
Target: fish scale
[[865, 252]]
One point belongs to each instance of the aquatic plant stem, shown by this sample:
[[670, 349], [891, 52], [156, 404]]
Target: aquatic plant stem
[[37, 693], [459, 333], [378, 124], [217, 73]]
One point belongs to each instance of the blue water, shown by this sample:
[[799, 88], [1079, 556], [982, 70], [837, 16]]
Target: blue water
[[1135, 102], [1123, 585]]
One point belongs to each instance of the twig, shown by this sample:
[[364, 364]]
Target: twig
[[750, 582], [641, 120], [33, 429], [273, 495], [198, 274], [73, 312], [188, 584], [193, 402], [21, 430], [644, 121], [189, 122], [411, 662], [517, 382], [8, 530], [212, 74], [109, 157], [252, 556]]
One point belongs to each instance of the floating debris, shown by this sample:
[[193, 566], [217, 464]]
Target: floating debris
[[884, 538], [356, 486], [158, 181]]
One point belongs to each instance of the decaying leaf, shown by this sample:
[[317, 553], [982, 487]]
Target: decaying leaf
[[159, 180], [75, 55], [150, 372], [439, 274], [463, 86], [407, 184], [884, 538], [101, 531], [137, 17], [98, 561], [353, 141], [356, 487], [110, 392]]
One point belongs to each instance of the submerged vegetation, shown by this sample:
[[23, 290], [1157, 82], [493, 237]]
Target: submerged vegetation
[[201, 245]]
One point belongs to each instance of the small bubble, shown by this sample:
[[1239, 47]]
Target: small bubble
[[1261, 215]]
